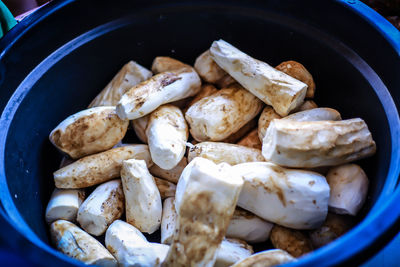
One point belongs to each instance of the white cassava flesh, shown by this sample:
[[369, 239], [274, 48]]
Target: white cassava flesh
[[205, 200], [269, 258], [142, 198], [248, 227], [251, 140], [210, 72], [294, 242], [349, 188], [231, 251], [167, 189], [89, 131], [130, 75], [222, 152], [64, 204], [299, 72], [163, 88], [139, 126], [130, 247], [99, 168], [308, 144], [168, 221], [216, 117], [169, 175], [167, 134], [315, 114], [76, 243], [273, 87], [296, 199], [103, 206]]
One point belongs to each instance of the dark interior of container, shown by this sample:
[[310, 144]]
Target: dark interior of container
[[68, 80]]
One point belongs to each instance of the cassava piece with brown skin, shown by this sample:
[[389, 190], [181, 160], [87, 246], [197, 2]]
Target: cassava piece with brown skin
[[296, 199], [103, 206], [130, 75], [163, 64], [76, 243], [222, 152], [235, 137], [167, 189], [273, 87], [292, 241], [299, 72], [267, 258], [163, 88], [99, 168], [267, 115], [167, 134], [142, 198], [308, 144], [210, 72], [205, 200], [89, 131], [64, 204], [251, 140], [221, 114], [169, 175]]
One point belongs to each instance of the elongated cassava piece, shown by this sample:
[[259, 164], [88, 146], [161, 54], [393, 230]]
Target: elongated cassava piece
[[167, 189], [89, 131], [296, 199], [99, 168], [130, 247], [163, 88], [315, 114], [64, 204], [248, 227], [215, 117], [349, 188], [169, 175], [231, 251], [273, 87], [76, 243], [292, 241], [223, 152], [205, 199], [210, 72], [168, 221], [269, 258], [103, 206], [308, 144], [142, 198], [167, 134], [163, 64], [299, 72], [139, 126], [251, 140], [130, 75]]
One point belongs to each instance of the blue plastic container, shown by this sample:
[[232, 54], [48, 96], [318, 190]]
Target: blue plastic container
[[54, 62]]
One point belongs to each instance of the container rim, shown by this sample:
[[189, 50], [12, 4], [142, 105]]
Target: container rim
[[364, 236]]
